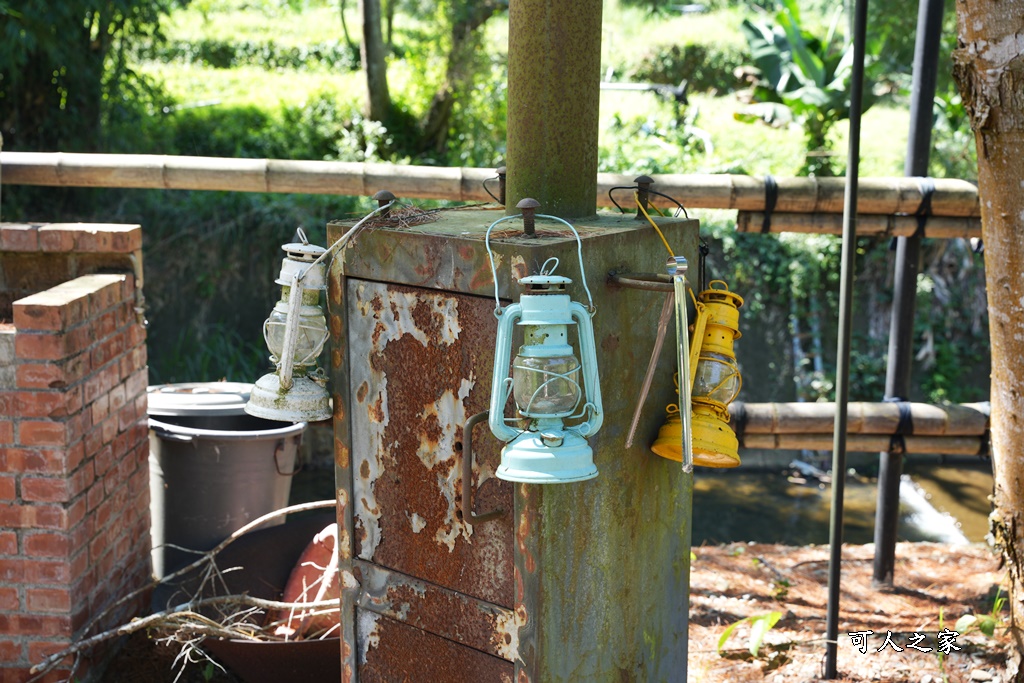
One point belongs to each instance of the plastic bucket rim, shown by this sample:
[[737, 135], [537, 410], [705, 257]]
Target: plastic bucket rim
[[228, 435]]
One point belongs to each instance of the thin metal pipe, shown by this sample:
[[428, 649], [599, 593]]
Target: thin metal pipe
[[849, 254], [677, 267], [908, 256]]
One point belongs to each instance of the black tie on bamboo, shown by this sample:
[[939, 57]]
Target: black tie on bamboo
[[738, 421], [924, 209], [771, 196], [905, 426]]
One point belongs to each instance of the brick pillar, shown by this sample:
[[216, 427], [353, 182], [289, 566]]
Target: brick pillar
[[74, 474]]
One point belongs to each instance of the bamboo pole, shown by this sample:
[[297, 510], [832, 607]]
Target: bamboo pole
[[878, 419], [719, 191], [869, 443], [940, 227]]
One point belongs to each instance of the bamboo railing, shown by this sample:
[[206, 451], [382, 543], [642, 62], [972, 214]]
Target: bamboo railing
[[870, 225], [923, 428], [952, 198]]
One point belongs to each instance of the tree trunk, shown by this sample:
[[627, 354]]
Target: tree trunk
[[342, 6], [989, 69], [378, 98], [467, 19]]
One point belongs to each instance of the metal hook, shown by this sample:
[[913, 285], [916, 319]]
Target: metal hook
[[467, 473]]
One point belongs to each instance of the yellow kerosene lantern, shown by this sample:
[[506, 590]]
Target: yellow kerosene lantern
[[715, 380]]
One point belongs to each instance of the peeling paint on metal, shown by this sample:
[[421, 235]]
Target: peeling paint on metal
[[366, 633], [506, 635], [519, 268], [417, 523]]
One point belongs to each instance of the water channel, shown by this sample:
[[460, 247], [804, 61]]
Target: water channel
[[938, 502]]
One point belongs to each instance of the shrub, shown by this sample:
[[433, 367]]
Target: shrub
[[706, 68]]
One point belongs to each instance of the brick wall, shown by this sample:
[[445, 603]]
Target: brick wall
[[74, 475]]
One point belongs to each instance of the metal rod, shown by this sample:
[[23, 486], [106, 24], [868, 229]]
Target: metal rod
[[908, 255], [849, 256], [677, 267]]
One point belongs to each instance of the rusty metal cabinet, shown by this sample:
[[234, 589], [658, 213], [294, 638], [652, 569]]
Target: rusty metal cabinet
[[427, 596]]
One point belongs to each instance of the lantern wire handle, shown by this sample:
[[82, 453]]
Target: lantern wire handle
[[579, 251], [291, 331]]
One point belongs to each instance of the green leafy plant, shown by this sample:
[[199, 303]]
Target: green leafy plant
[[985, 623], [801, 78], [760, 624]]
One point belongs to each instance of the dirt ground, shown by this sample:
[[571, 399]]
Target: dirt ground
[[935, 585], [739, 580]]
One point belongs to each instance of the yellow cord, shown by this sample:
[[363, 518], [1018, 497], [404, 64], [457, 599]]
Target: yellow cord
[[654, 225]]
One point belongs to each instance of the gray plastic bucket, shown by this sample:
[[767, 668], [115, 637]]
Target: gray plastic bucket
[[213, 468]]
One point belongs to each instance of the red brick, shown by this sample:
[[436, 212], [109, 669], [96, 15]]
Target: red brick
[[56, 238], [95, 496], [81, 480], [44, 489], [79, 339], [74, 456], [52, 375], [6, 432], [9, 600], [52, 404], [106, 296], [48, 600], [75, 513], [46, 544], [32, 516], [136, 335], [35, 433], [8, 488], [115, 238], [136, 384], [105, 325], [8, 543], [47, 572], [35, 624], [36, 460], [40, 346], [53, 310], [117, 398], [127, 417], [19, 237], [100, 408], [11, 651], [12, 570]]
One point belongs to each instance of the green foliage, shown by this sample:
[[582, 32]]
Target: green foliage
[[955, 154], [652, 144], [706, 67], [985, 623], [760, 624], [802, 78], [267, 54], [62, 63]]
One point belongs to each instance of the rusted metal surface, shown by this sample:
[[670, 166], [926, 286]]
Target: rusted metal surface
[[599, 590], [443, 612], [420, 364], [393, 652], [554, 70], [338, 371]]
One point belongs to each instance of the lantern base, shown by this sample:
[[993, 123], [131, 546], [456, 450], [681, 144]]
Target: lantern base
[[306, 401], [529, 460], [714, 443]]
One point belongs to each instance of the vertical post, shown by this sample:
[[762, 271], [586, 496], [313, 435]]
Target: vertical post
[[908, 254], [554, 69], [843, 351]]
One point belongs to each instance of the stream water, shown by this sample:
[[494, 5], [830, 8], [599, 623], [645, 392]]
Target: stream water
[[937, 503]]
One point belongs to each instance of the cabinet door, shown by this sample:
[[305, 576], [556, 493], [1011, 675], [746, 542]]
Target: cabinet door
[[420, 364]]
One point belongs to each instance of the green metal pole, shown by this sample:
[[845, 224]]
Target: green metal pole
[[554, 72]]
